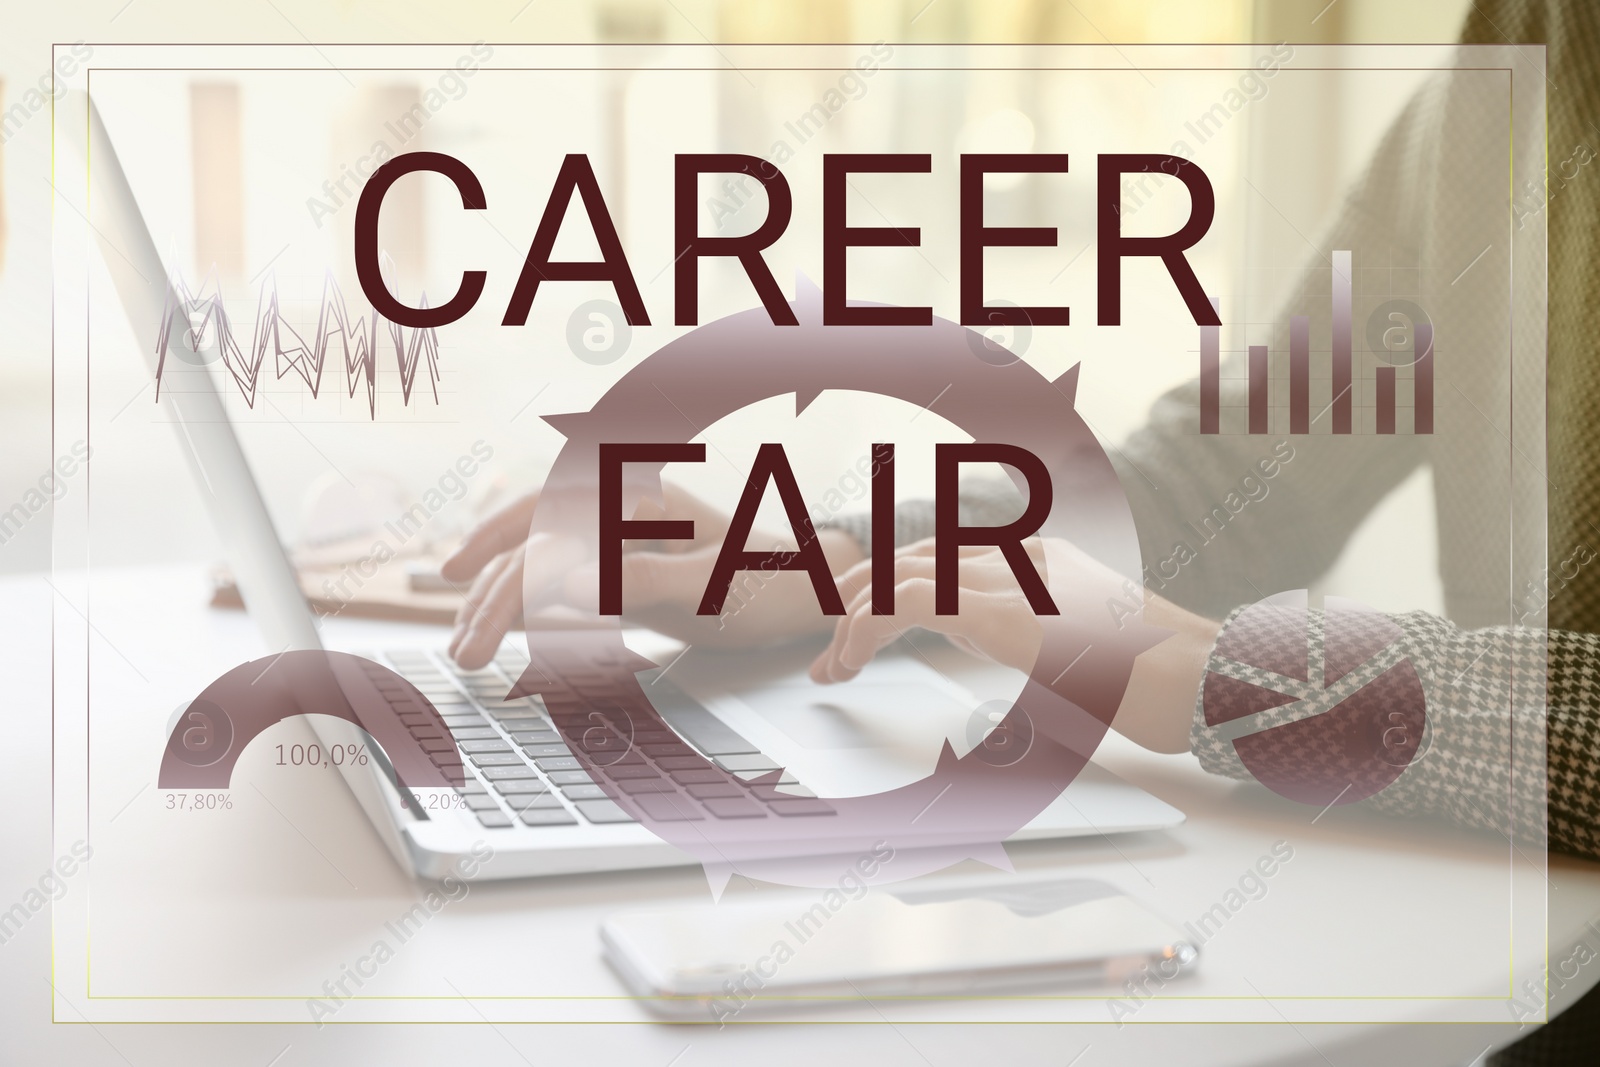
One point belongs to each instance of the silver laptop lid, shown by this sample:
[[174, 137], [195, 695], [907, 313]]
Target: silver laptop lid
[[265, 576], [261, 567]]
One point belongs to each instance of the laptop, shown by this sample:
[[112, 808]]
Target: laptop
[[542, 808]]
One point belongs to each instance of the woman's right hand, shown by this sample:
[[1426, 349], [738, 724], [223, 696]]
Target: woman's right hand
[[663, 582]]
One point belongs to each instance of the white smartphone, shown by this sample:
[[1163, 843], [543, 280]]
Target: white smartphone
[[790, 950]]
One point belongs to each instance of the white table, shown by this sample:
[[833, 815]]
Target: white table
[[277, 894]]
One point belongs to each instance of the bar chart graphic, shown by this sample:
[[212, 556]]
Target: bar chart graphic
[[1340, 409]]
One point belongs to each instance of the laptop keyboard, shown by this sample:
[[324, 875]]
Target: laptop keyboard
[[521, 767]]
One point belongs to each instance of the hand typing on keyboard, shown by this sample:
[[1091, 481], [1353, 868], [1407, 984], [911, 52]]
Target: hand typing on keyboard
[[997, 623], [662, 581]]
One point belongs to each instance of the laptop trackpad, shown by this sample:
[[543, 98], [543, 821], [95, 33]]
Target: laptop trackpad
[[883, 730], [857, 716]]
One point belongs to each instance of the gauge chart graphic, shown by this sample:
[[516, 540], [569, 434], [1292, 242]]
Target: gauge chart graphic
[[1322, 707], [197, 329]]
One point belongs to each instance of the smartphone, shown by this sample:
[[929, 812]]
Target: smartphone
[[790, 950]]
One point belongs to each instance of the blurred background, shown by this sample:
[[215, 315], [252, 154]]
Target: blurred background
[[257, 173]]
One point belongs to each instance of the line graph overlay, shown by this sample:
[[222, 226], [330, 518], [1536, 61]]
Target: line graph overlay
[[202, 322]]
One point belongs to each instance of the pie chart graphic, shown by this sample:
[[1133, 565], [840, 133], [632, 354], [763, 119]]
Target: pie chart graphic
[[1322, 707]]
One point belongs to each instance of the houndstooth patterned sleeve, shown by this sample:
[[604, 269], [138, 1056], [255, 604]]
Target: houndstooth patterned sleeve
[[1490, 745]]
